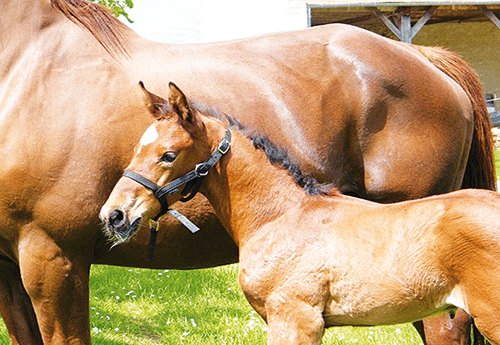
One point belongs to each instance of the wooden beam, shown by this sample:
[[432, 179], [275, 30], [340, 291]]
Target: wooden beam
[[405, 32], [395, 30], [422, 21], [491, 16]]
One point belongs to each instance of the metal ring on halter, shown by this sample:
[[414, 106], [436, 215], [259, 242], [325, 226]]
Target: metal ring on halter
[[157, 227]]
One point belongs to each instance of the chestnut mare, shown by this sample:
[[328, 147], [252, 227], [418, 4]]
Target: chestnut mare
[[315, 258], [376, 117]]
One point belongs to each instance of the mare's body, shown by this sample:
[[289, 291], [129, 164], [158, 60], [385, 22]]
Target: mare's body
[[374, 116], [314, 259]]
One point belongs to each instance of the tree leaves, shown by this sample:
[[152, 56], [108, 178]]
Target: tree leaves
[[118, 7]]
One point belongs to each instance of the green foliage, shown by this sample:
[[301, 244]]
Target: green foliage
[[117, 7]]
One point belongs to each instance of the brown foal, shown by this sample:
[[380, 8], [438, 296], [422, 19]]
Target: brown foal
[[311, 257]]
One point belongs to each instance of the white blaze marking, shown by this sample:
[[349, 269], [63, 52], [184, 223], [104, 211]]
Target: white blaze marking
[[149, 136]]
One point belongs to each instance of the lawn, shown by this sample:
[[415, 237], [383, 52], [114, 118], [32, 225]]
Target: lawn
[[136, 306], [139, 306]]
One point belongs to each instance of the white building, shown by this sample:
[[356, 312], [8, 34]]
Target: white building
[[194, 21]]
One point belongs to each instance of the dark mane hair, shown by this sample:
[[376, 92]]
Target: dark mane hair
[[96, 19], [280, 157], [277, 156]]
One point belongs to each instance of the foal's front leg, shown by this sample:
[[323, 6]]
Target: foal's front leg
[[293, 321]]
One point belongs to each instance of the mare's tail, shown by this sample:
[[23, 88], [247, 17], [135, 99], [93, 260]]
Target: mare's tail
[[480, 170]]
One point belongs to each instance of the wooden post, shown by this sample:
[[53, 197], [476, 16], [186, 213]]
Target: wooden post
[[405, 28]]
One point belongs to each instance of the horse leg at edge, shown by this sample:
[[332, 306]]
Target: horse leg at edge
[[447, 330], [57, 282], [15, 306]]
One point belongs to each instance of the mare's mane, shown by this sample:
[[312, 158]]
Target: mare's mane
[[277, 156], [96, 19]]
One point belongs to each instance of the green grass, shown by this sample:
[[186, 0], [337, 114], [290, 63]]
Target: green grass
[[132, 306], [140, 306]]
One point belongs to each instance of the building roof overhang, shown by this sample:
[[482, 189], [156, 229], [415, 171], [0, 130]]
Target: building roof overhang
[[363, 13]]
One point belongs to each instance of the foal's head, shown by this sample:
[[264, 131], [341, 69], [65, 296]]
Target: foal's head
[[171, 147]]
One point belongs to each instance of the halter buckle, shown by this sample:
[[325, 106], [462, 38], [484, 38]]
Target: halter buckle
[[224, 146]]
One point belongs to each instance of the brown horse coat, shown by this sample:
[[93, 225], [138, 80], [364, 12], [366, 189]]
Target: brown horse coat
[[70, 112]]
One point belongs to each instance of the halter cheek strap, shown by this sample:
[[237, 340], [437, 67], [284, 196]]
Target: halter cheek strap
[[192, 181]]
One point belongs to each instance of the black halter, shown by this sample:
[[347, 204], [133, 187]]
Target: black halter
[[192, 180]]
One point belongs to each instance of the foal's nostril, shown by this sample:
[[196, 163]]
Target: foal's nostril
[[117, 218]]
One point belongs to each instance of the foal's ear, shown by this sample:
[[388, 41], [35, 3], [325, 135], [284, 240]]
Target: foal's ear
[[155, 104], [179, 103]]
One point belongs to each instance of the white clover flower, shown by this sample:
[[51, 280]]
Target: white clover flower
[[251, 324]]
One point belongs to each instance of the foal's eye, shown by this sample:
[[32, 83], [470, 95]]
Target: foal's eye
[[168, 157]]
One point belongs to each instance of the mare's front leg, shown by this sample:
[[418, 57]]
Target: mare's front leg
[[292, 321], [56, 278], [15, 306]]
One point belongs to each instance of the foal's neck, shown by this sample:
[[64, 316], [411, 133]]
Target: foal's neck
[[247, 191]]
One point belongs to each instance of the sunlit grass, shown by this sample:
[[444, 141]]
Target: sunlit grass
[[132, 306], [139, 306]]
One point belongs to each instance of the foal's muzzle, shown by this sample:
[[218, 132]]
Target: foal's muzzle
[[118, 227]]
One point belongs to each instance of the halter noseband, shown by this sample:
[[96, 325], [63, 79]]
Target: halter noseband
[[192, 180]]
